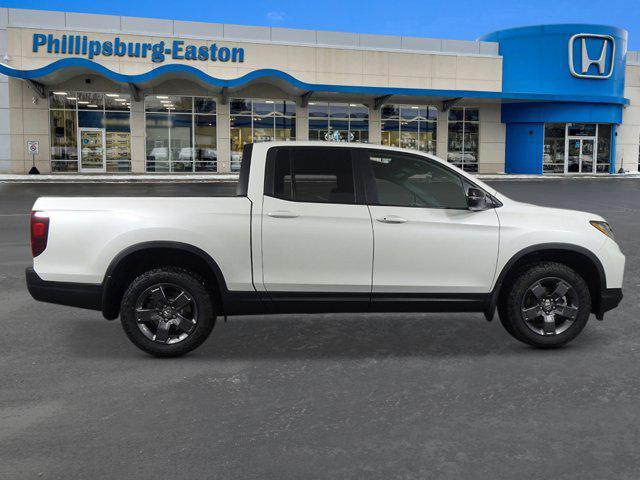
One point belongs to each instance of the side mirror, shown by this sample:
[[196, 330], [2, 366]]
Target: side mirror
[[476, 199]]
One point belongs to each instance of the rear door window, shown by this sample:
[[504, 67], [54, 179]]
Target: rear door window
[[313, 174]]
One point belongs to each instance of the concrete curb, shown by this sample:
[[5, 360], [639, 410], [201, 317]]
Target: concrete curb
[[64, 178], [562, 176], [233, 177]]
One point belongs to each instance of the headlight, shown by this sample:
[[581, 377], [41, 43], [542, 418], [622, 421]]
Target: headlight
[[604, 227]]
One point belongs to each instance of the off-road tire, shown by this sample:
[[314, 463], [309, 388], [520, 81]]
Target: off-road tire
[[510, 306], [185, 279]]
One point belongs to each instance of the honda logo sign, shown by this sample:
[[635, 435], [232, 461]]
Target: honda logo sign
[[596, 55]]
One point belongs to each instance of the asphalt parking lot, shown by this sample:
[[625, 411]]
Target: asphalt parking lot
[[319, 396]]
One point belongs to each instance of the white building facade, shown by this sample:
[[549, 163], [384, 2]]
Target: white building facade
[[111, 94]]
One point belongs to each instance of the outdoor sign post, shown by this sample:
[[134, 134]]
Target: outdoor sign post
[[33, 148]]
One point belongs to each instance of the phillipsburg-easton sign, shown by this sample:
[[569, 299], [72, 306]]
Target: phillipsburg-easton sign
[[157, 52]]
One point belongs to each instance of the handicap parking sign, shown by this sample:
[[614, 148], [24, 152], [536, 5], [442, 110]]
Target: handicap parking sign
[[33, 147]]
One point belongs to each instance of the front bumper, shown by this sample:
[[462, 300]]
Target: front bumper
[[81, 295]]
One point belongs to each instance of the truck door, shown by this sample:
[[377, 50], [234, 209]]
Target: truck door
[[317, 235], [426, 239]]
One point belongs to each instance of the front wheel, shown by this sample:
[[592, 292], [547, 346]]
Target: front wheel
[[547, 305], [167, 312]]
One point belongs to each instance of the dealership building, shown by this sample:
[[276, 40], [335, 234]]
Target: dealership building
[[82, 93]]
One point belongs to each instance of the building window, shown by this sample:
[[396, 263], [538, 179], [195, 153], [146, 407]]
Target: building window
[[570, 148], [464, 138], [338, 122], [553, 150], [258, 120], [410, 126], [70, 112], [603, 156], [180, 134]]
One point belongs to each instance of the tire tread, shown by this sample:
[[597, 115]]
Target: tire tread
[[198, 289], [509, 306]]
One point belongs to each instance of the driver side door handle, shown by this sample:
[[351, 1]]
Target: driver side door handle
[[391, 219], [283, 214]]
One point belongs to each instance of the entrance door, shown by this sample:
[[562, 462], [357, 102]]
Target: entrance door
[[580, 154], [91, 150]]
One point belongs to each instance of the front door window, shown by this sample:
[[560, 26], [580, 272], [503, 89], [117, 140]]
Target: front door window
[[91, 149], [580, 155], [573, 157], [586, 156]]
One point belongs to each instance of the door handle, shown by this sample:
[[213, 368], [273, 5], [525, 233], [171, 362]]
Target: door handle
[[392, 219], [282, 214]]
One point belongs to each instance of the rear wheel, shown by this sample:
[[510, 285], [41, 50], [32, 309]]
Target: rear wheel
[[167, 312], [547, 305]]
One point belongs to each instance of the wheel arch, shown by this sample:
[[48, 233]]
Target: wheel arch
[[582, 260], [138, 258]]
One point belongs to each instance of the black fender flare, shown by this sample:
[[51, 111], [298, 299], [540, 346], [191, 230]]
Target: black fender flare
[[107, 284], [490, 310]]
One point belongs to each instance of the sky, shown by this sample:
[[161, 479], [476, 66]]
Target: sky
[[453, 19]]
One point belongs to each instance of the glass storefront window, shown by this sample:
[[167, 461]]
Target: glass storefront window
[[157, 142], [70, 111], [181, 142], [553, 149], [464, 138], [64, 143], [205, 155], [410, 126], [165, 103], [255, 120], [338, 122], [603, 157], [90, 100], [581, 130], [118, 141], [180, 134], [117, 102], [576, 148]]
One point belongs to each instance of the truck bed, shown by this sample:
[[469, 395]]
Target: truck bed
[[87, 233]]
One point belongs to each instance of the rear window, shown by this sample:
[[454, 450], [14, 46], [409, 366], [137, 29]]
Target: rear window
[[318, 175]]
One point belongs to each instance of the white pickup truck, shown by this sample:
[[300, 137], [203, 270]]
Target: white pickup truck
[[318, 227]]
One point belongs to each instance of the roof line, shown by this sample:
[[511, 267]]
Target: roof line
[[166, 27]]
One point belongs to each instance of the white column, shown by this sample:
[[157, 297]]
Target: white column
[[223, 137], [5, 120], [442, 134], [492, 140], [302, 122], [375, 126], [138, 147], [628, 138], [35, 126]]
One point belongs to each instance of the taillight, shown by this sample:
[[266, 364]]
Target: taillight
[[39, 232]]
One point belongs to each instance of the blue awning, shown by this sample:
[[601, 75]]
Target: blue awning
[[65, 69]]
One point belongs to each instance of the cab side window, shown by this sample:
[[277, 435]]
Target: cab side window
[[410, 181], [318, 175]]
